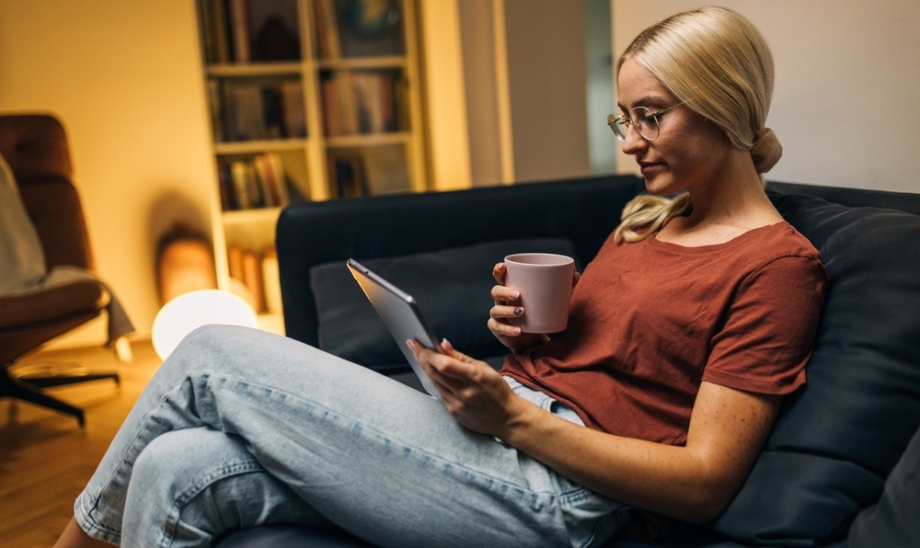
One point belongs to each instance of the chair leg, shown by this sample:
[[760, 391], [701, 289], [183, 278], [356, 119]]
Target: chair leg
[[11, 386], [62, 380]]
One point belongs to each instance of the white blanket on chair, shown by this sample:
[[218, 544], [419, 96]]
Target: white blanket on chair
[[22, 260]]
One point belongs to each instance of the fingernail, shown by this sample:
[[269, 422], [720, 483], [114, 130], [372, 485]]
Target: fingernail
[[518, 311], [411, 344], [515, 294]]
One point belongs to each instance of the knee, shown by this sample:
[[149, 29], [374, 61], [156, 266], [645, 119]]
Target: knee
[[164, 498], [180, 462], [211, 336], [214, 340], [166, 462]]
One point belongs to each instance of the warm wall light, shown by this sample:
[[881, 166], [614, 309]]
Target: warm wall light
[[181, 315]]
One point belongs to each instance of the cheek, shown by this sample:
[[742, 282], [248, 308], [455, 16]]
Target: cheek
[[703, 146]]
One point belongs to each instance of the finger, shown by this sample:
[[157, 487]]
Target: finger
[[503, 328], [504, 312], [426, 359], [449, 349], [498, 272], [505, 295]]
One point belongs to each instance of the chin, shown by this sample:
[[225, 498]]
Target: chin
[[659, 186]]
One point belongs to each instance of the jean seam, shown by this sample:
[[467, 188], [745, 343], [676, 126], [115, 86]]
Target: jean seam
[[93, 527], [187, 495]]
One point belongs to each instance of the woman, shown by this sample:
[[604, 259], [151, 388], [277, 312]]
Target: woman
[[657, 398]]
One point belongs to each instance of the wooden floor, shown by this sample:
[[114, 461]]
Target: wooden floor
[[46, 458]]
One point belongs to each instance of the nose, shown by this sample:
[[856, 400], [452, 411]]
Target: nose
[[634, 143]]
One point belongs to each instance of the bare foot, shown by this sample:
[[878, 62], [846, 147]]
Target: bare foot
[[74, 537]]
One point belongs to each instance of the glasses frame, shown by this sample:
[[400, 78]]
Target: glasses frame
[[620, 124]]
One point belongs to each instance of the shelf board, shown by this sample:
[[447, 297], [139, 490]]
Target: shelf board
[[247, 216], [384, 61], [365, 140], [243, 70], [250, 147]]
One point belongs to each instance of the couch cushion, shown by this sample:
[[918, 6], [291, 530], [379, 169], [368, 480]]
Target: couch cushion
[[893, 520], [837, 439], [451, 286]]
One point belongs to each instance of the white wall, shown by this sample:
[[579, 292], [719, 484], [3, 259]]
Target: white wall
[[845, 104], [125, 78]]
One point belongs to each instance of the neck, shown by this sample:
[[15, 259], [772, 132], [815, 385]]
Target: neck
[[732, 195], [726, 205]]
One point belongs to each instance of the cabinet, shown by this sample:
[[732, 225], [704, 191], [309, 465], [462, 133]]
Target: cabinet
[[309, 100]]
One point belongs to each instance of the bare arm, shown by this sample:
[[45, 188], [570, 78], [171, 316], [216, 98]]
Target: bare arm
[[695, 482]]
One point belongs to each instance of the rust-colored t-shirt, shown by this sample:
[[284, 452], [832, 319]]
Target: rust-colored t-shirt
[[650, 321]]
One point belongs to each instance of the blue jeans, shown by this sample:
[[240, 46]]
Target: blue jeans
[[241, 428]]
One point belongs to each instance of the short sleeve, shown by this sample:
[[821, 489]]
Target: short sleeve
[[770, 327]]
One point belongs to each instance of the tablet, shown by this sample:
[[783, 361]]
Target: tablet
[[401, 315]]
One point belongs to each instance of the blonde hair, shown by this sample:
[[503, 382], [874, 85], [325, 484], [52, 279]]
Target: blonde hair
[[719, 64]]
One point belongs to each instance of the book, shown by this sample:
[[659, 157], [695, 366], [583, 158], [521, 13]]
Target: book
[[328, 43], [225, 186], [271, 283], [270, 171], [293, 113], [252, 278], [349, 175], [239, 25], [348, 106], [249, 110], [247, 189], [235, 261], [360, 102]]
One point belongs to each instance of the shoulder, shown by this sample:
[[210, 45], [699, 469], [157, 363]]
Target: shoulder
[[781, 248]]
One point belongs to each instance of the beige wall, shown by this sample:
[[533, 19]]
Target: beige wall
[[525, 82], [125, 78], [546, 88], [845, 105]]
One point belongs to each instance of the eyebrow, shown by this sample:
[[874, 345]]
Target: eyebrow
[[648, 100]]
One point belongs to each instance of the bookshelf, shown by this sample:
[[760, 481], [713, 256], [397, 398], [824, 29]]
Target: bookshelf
[[309, 100]]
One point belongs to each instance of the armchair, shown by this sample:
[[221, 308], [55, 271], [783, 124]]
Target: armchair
[[36, 150]]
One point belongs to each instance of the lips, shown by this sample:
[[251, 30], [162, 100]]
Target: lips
[[648, 167]]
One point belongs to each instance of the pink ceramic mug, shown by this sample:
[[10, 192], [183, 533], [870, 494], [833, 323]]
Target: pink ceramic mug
[[545, 283]]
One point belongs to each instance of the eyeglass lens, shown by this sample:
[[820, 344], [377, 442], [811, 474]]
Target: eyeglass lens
[[642, 119]]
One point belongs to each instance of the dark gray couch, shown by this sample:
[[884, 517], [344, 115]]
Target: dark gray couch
[[841, 466]]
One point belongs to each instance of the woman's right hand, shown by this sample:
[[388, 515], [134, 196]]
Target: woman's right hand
[[507, 306]]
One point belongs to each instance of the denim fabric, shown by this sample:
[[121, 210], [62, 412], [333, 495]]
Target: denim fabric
[[241, 428]]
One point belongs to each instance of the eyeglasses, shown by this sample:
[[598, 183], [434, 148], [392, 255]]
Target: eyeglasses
[[643, 119]]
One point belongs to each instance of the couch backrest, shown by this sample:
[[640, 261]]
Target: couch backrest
[[583, 211]]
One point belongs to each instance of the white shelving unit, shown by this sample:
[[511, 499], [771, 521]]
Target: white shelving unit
[[310, 100]]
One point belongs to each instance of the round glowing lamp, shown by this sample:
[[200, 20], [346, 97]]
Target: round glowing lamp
[[183, 314]]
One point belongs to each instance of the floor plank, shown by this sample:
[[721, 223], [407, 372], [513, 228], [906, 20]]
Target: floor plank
[[45, 457]]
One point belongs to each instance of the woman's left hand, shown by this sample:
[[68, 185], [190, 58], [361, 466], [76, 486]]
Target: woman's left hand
[[472, 392]]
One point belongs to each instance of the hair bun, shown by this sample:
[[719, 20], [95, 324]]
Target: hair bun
[[766, 151]]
